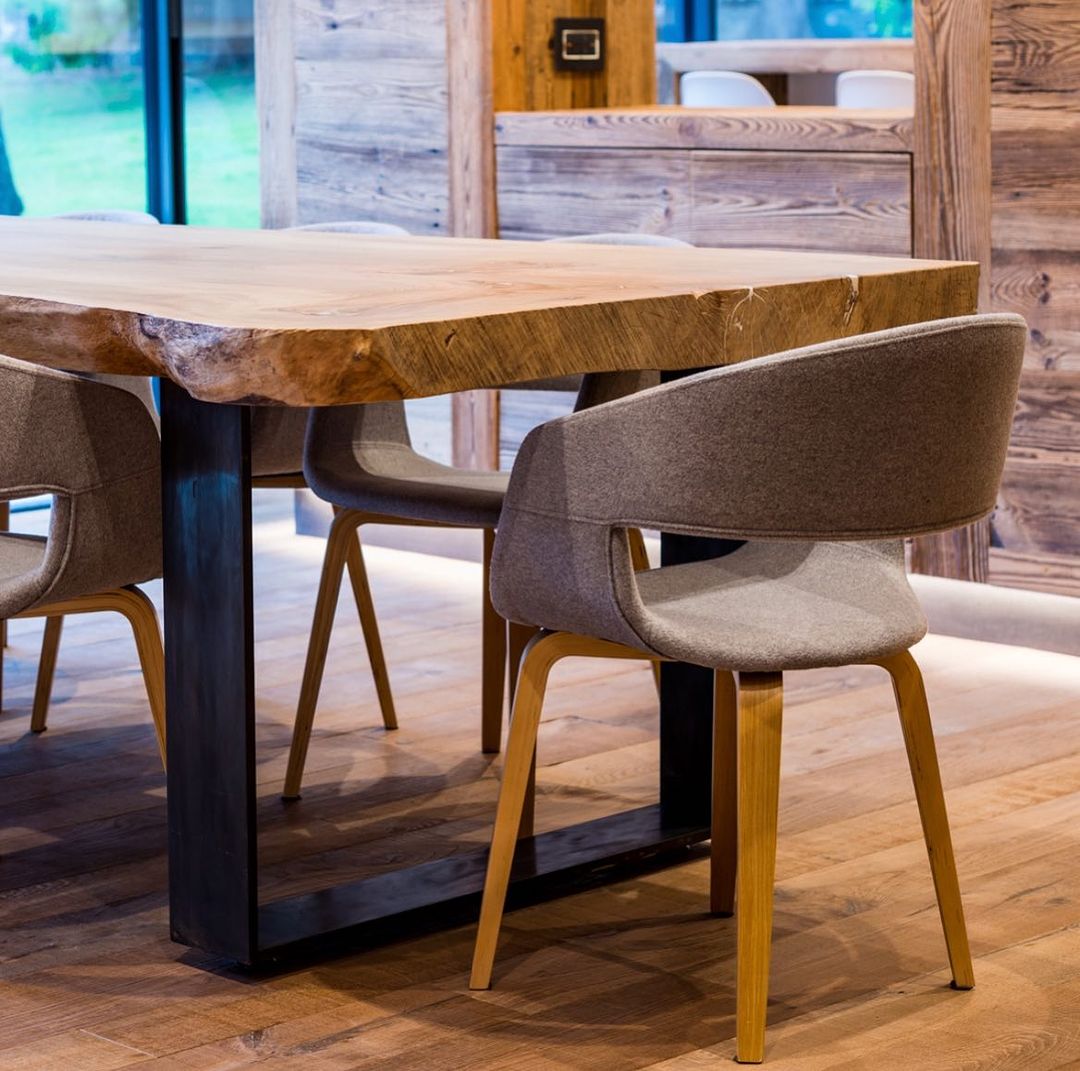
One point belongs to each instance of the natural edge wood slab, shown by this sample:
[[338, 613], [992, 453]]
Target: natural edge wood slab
[[287, 318]]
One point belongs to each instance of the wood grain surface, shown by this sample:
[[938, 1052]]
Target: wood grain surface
[[1036, 272], [822, 56], [859, 201], [371, 117], [308, 318], [796, 129], [524, 68]]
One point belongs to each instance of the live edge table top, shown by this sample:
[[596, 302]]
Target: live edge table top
[[310, 318]]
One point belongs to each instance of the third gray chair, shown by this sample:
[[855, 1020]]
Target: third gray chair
[[361, 460], [823, 460], [94, 448], [139, 386]]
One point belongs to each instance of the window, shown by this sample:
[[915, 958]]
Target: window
[[697, 20], [73, 108]]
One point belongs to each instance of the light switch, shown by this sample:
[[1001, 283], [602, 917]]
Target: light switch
[[578, 44]]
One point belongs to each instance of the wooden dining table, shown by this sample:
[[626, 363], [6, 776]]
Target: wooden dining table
[[232, 319]]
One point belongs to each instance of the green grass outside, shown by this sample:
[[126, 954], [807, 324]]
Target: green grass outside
[[75, 141]]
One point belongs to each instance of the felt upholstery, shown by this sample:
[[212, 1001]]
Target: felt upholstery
[[95, 448], [878, 437], [360, 457]]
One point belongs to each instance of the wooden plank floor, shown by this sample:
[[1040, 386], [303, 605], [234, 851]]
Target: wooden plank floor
[[634, 975]]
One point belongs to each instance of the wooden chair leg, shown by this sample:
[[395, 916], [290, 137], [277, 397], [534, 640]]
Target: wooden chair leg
[[543, 651], [926, 776], [519, 638], [760, 716], [493, 661], [541, 655], [639, 558], [139, 610], [342, 535], [50, 646], [725, 795], [369, 625]]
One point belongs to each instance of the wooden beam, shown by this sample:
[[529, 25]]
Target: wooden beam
[[525, 74], [471, 145], [275, 91], [474, 415], [952, 183]]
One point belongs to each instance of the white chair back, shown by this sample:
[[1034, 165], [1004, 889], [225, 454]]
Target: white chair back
[[723, 89], [875, 89]]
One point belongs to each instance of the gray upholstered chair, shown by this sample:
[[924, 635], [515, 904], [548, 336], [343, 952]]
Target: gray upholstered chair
[[142, 389], [95, 449], [361, 460], [822, 460]]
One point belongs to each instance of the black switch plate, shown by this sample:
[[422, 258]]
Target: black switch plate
[[579, 44]]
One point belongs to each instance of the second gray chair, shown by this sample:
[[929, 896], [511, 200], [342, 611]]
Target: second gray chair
[[95, 449], [823, 460], [361, 460], [139, 386]]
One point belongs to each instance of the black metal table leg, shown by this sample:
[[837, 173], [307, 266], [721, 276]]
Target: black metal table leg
[[209, 674], [686, 710], [210, 697]]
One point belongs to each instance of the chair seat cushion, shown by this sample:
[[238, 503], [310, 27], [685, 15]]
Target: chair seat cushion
[[21, 580], [776, 606], [393, 480]]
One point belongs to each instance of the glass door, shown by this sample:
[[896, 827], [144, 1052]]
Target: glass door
[[220, 121]]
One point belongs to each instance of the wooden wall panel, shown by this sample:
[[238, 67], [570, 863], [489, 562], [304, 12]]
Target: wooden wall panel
[[548, 192], [952, 187], [1036, 272], [371, 112], [275, 91], [859, 202]]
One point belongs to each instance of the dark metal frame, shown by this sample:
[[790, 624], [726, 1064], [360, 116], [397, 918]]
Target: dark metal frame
[[163, 83], [210, 696]]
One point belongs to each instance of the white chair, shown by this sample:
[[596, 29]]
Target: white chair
[[875, 89], [723, 89]]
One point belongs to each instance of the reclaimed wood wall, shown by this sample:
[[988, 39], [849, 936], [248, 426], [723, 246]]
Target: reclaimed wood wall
[[355, 107], [525, 74], [804, 178], [1036, 272]]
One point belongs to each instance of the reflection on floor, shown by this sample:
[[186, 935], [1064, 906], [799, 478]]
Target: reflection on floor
[[634, 975]]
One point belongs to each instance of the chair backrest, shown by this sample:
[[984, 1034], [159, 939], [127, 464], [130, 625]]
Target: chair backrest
[[660, 241], [109, 215], [723, 89], [96, 449], [355, 226], [875, 89], [876, 437]]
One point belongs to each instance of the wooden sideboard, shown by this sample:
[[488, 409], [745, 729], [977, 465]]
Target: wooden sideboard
[[787, 178]]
